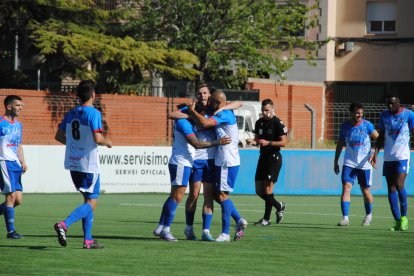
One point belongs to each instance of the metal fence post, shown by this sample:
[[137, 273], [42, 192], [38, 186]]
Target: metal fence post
[[313, 125]]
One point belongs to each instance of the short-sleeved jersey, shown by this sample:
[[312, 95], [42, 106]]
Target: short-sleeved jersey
[[226, 125], [182, 151], [358, 143], [205, 135], [80, 124], [10, 139], [270, 130], [397, 134]]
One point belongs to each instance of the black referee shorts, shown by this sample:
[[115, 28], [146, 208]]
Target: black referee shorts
[[268, 167]]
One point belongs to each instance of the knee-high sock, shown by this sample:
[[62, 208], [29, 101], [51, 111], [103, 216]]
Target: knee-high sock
[[226, 210], [189, 217], [402, 195], [393, 200], [163, 213], [207, 218], [272, 200], [234, 213], [345, 205], [268, 210], [170, 212], [9, 219], [368, 208], [77, 214], [87, 223]]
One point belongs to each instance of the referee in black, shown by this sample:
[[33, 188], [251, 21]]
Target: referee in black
[[270, 135]]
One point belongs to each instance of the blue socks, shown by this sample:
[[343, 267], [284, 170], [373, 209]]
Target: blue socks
[[77, 214], [234, 213], [345, 207], [207, 218], [9, 218], [87, 226], [368, 208], [402, 195], [171, 207], [226, 212], [393, 200]]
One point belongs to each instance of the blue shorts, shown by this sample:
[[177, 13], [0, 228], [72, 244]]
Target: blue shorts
[[179, 175], [10, 177], [350, 175], [203, 170], [392, 167], [88, 184], [225, 178]]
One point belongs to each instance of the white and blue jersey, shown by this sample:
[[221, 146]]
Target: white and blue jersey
[[226, 125], [79, 125], [205, 135], [227, 159], [182, 157], [182, 151], [358, 144], [11, 169], [10, 139], [397, 129]]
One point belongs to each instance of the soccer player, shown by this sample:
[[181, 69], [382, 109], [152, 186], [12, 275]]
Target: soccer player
[[355, 135], [203, 171], [271, 135], [395, 126], [12, 162], [81, 132], [227, 162], [180, 165]]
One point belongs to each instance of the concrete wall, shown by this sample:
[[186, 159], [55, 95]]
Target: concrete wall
[[370, 61]]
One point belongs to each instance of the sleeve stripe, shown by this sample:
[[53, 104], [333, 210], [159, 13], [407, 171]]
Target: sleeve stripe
[[98, 131], [190, 135]]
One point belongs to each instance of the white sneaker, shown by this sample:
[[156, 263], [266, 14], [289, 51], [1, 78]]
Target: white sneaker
[[189, 235], [223, 237], [167, 236], [157, 232], [343, 222], [367, 220]]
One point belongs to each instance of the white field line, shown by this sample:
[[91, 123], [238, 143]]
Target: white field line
[[261, 211]]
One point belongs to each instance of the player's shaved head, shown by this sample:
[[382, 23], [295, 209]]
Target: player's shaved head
[[219, 96], [217, 100]]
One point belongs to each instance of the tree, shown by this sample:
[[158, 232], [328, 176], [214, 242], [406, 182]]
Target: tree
[[78, 38], [243, 36]]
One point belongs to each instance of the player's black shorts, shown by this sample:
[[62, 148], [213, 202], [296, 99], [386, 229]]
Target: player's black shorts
[[268, 167]]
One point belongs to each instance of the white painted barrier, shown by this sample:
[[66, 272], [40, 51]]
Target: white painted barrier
[[123, 170]]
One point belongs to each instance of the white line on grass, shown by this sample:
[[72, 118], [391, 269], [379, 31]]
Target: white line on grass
[[257, 211]]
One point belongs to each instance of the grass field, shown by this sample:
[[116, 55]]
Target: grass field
[[308, 242]]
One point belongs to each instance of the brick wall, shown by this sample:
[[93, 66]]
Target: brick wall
[[128, 120], [290, 99], [142, 120]]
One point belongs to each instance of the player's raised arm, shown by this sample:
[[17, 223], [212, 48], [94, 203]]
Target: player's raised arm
[[200, 119], [230, 106]]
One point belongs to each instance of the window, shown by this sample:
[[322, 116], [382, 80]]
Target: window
[[381, 17]]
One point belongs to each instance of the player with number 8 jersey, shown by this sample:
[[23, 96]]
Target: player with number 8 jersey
[[81, 132]]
